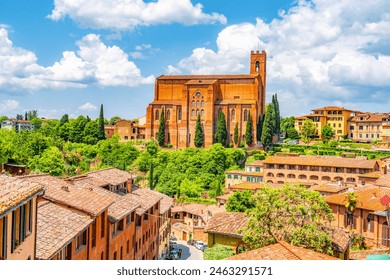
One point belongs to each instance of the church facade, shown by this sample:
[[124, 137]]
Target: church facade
[[184, 97]]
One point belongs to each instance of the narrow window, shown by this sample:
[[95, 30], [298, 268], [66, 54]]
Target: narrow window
[[233, 115], [157, 117], [168, 114], [202, 112], [257, 66], [202, 104], [193, 113], [245, 115], [197, 104], [179, 114]]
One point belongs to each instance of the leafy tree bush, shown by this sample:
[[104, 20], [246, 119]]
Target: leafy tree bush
[[240, 201], [218, 252]]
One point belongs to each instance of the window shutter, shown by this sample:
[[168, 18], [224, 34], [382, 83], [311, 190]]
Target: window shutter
[[364, 224], [345, 220]]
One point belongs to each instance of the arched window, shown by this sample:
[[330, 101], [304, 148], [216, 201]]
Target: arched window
[[202, 104], [302, 177], [325, 178], [157, 117], [198, 94], [233, 115], [313, 177], [168, 114], [197, 112], [257, 66], [193, 104], [245, 115], [202, 112], [197, 104], [179, 114], [192, 113]]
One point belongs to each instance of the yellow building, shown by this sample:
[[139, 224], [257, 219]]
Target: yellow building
[[335, 117]]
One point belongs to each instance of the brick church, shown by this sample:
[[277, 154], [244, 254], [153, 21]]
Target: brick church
[[184, 97]]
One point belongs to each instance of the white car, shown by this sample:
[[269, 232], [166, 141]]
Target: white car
[[199, 245]]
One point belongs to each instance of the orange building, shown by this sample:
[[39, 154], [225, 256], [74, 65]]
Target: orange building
[[127, 130], [18, 218], [369, 219], [184, 97], [367, 127], [335, 117]]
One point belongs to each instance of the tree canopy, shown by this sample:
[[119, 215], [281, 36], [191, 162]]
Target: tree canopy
[[218, 252], [308, 130], [327, 132], [220, 135], [290, 213], [240, 201]]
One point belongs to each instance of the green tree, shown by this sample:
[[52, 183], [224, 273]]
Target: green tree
[[101, 134], [198, 140], [292, 213], [19, 117], [327, 132], [221, 131], [268, 125], [308, 130], [260, 127], [248, 131], [287, 123], [78, 129], [3, 118], [66, 131], [32, 114], [218, 252], [64, 119], [292, 133], [236, 139], [51, 161], [161, 129], [277, 114], [240, 201], [91, 133], [36, 122], [114, 119]]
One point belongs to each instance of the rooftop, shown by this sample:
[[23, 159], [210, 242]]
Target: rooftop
[[227, 223], [166, 203], [332, 108], [281, 251], [366, 199], [246, 186], [383, 181], [206, 77], [78, 197], [146, 198], [255, 163], [330, 161], [329, 188], [112, 175], [56, 227], [14, 191]]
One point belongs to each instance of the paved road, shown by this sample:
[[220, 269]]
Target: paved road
[[189, 252]]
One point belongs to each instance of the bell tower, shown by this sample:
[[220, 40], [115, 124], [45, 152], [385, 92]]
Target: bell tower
[[258, 66]]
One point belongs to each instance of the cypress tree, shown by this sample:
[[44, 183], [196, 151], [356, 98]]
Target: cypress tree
[[221, 131], [101, 133], [259, 127], [161, 129], [25, 116], [248, 132], [64, 119], [268, 125], [277, 114], [236, 134], [198, 141]]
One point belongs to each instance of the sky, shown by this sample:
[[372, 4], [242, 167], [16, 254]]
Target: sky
[[69, 56]]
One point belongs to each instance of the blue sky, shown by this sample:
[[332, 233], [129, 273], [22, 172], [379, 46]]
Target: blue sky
[[70, 56]]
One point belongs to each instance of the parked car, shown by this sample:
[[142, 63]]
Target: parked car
[[198, 244], [203, 247]]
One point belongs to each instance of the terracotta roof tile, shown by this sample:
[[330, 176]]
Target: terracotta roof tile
[[332, 108], [227, 224], [206, 77], [246, 186], [166, 203], [146, 198], [56, 227], [122, 204], [369, 117], [374, 175], [112, 175], [84, 199], [255, 163], [383, 181], [366, 199], [331, 161], [330, 188], [14, 191], [281, 251], [225, 196]]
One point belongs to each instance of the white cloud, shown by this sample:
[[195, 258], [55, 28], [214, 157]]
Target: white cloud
[[88, 107], [127, 14], [93, 63], [8, 105], [321, 51]]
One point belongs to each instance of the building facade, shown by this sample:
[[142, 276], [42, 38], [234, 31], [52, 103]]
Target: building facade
[[184, 97], [368, 127], [336, 117], [18, 125], [127, 130]]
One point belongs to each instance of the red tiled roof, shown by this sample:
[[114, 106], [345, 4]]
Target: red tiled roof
[[146, 198], [246, 186], [201, 210], [227, 224], [56, 227], [84, 199], [383, 181], [366, 199], [112, 175], [281, 251], [332, 108], [14, 191]]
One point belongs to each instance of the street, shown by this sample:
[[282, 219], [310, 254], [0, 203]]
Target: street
[[189, 252]]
